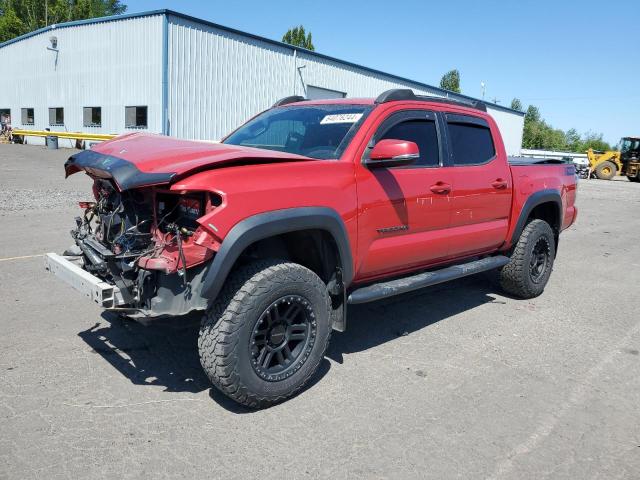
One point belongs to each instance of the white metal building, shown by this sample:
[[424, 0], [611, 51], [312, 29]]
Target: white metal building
[[166, 72]]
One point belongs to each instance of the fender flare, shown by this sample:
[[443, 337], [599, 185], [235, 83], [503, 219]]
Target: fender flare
[[269, 224], [537, 198]]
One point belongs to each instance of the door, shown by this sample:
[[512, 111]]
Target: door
[[482, 187], [403, 212], [318, 93]]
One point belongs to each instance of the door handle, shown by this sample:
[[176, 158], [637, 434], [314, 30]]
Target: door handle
[[500, 184], [440, 188]]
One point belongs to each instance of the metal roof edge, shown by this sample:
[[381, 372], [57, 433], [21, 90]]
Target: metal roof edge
[[74, 23], [338, 60], [201, 21]]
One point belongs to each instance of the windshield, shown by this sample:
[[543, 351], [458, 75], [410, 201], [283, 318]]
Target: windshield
[[316, 131], [628, 144]]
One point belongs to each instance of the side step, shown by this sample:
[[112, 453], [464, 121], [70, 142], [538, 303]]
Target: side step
[[378, 291]]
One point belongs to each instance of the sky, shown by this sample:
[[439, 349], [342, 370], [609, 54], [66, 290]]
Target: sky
[[577, 61]]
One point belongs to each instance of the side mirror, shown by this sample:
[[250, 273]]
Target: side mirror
[[392, 153]]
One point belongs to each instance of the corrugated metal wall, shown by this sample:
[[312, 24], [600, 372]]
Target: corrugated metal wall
[[219, 79], [356, 82], [511, 127], [108, 65]]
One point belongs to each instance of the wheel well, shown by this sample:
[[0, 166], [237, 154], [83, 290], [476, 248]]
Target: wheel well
[[550, 213], [315, 249]]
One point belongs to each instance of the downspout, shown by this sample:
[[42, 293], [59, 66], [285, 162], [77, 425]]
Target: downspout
[[295, 70], [165, 74]]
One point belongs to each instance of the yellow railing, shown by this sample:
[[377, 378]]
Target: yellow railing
[[70, 135]]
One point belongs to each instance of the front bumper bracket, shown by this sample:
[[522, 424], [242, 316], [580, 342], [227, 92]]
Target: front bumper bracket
[[101, 292]]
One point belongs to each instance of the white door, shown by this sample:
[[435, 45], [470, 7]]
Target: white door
[[317, 93]]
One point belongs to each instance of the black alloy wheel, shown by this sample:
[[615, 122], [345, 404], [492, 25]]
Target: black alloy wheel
[[282, 338], [540, 259]]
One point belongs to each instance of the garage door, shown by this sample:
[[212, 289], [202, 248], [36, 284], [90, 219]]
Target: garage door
[[317, 93]]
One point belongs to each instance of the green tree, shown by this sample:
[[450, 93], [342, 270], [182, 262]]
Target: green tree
[[595, 141], [516, 104], [532, 115], [298, 37], [10, 25], [572, 140], [18, 17], [539, 135], [451, 81]]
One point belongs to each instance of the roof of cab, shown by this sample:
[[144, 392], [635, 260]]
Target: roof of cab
[[393, 95]]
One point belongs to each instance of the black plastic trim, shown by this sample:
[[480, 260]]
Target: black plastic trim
[[269, 224], [458, 118], [125, 173], [378, 291], [288, 100], [476, 105], [405, 94], [445, 149], [537, 198], [395, 94]]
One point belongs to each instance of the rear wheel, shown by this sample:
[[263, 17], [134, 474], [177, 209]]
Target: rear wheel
[[634, 179], [606, 170], [528, 272], [266, 333]]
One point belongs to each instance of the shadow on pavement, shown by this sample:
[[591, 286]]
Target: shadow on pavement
[[370, 325], [165, 353]]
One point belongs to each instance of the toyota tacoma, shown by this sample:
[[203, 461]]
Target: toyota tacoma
[[307, 208]]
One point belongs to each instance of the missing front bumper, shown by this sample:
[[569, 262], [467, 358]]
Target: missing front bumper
[[99, 291]]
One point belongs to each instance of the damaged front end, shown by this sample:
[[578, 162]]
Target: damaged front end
[[144, 245]]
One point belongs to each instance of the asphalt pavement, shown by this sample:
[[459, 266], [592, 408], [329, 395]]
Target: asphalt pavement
[[457, 381]]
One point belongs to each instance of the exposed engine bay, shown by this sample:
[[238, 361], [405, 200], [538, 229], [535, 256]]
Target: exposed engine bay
[[142, 240]]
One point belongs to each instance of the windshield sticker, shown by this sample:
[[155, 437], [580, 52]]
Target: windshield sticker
[[341, 118]]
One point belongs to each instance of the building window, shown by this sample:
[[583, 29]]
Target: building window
[[28, 118], [135, 117], [92, 116], [56, 116], [5, 116]]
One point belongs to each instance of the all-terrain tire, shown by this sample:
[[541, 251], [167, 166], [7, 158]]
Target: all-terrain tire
[[228, 331], [523, 276], [606, 170], [634, 179]]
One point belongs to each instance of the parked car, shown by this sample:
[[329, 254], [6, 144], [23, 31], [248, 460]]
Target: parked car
[[307, 208]]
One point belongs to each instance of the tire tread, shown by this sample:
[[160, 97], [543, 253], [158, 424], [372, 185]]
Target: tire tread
[[514, 275], [218, 342]]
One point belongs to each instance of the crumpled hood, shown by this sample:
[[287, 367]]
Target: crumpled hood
[[142, 159]]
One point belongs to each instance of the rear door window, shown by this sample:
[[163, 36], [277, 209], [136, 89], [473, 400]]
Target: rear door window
[[470, 140]]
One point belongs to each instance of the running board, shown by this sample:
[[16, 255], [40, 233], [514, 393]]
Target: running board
[[378, 291]]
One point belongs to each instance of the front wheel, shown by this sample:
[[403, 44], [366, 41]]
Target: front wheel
[[266, 333], [528, 272], [606, 170]]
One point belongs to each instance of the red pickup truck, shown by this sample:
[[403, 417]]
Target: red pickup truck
[[308, 207]]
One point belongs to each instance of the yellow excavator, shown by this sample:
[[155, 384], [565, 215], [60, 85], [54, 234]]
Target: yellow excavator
[[624, 161]]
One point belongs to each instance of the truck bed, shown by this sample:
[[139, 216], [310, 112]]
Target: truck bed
[[518, 161]]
